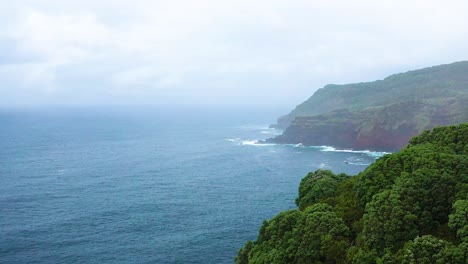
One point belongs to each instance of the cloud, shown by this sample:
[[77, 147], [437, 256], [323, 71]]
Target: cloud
[[216, 51]]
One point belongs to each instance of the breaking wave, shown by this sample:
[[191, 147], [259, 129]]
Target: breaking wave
[[374, 154], [243, 142], [367, 152]]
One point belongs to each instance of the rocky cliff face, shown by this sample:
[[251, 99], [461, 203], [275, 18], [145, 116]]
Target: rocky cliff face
[[380, 115], [386, 128]]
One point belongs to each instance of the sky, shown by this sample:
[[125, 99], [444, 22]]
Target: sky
[[203, 52]]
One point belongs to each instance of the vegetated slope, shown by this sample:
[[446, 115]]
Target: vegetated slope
[[380, 115], [407, 207], [442, 81]]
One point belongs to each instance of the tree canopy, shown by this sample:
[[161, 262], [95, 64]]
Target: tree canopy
[[407, 207]]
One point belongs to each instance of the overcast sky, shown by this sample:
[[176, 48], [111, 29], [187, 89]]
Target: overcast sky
[[262, 52]]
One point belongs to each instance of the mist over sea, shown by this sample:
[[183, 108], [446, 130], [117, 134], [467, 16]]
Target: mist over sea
[[146, 185]]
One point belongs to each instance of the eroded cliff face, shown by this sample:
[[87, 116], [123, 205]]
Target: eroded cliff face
[[380, 115], [346, 135], [384, 139], [385, 128]]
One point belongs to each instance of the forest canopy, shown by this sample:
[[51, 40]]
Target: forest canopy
[[407, 207]]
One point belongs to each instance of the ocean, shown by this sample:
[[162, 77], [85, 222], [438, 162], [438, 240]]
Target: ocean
[[146, 185]]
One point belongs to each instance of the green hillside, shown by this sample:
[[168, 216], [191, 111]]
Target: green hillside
[[434, 83], [407, 207]]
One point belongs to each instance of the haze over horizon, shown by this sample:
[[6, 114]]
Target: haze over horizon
[[215, 52]]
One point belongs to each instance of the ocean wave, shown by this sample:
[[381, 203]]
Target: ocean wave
[[272, 131], [322, 166], [249, 142], [319, 165], [254, 127], [244, 142], [367, 152], [262, 129], [374, 154], [357, 163], [256, 143]]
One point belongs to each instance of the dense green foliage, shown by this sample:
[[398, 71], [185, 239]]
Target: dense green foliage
[[428, 250], [313, 235], [318, 186], [407, 207]]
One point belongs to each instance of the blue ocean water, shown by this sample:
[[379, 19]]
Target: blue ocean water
[[145, 185]]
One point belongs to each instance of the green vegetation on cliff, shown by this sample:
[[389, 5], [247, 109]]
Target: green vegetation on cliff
[[382, 114], [407, 207]]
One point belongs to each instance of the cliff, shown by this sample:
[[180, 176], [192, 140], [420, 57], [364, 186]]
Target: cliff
[[380, 115]]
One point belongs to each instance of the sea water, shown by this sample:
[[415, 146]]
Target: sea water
[[155, 185]]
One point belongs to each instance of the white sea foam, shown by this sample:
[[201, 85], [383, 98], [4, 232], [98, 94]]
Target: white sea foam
[[254, 127], [323, 165], [244, 142], [271, 132], [357, 163], [256, 143], [319, 165], [249, 142], [375, 154]]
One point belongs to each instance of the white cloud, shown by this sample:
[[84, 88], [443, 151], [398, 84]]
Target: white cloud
[[217, 51], [26, 75], [61, 39]]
